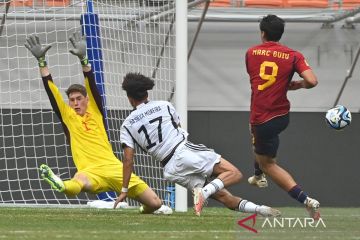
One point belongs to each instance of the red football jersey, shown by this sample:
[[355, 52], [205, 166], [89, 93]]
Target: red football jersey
[[271, 67]]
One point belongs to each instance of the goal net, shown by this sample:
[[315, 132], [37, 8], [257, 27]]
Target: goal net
[[131, 35]]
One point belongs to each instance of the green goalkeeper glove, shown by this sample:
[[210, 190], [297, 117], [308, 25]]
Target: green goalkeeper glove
[[79, 50], [39, 52]]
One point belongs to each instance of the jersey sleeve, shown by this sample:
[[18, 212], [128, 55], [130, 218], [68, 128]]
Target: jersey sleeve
[[300, 63], [57, 102], [125, 137], [95, 100]]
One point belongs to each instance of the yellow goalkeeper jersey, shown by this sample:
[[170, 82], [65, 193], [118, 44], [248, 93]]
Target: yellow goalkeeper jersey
[[90, 146]]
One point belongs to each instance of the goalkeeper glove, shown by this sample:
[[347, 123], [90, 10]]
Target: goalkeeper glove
[[35, 47]]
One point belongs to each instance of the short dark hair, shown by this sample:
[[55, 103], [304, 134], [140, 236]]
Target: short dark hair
[[273, 27], [136, 85], [76, 88]]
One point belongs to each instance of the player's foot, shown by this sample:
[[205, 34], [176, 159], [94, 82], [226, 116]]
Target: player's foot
[[199, 200], [312, 206], [258, 181], [141, 209], [266, 211], [164, 210], [48, 175]]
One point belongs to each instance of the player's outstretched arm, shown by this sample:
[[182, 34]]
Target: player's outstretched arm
[[56, 100], [128, 163], [79, 49], [38, 51]]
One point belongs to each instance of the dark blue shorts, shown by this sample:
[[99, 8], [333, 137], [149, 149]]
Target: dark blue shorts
[[266, 135]]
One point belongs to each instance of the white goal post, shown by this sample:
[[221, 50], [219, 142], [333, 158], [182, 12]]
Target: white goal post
[[131, 35]]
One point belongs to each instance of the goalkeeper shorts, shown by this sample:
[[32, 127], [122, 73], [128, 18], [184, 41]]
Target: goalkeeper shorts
[[110, 178]]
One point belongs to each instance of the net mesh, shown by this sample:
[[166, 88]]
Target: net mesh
[[135, 36]]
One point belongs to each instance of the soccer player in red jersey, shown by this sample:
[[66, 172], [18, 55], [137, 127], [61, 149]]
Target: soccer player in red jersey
[[271, 67]]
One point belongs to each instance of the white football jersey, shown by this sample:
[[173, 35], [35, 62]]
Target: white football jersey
[[154, 127]]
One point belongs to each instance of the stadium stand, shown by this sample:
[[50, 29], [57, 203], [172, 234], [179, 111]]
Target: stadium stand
[[21, 3], [263, 3], [57, 3], [307, 3], [222, 3], [48, 3], [346, 4]]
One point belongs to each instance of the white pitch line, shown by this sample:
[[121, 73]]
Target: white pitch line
[[180, 231]]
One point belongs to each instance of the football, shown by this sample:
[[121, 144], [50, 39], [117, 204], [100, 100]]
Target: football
[[338, 117]]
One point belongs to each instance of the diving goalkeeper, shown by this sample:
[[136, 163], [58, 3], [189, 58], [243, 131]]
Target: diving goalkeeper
[[98, 169]]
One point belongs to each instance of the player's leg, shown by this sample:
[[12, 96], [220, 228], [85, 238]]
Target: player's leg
[[237, 204], [190, 166], [80, 182], [151, 203], [70, 187], [55, 182], [225, 173], [266, 143], [148, 198], [279, 175], [110, 178], [92, 181], [142, 193], [258, 179], [193, 164], [283, 178], [265, 140]]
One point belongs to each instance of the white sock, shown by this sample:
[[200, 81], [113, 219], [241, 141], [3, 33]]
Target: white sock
[[247, 206], [212, 187]]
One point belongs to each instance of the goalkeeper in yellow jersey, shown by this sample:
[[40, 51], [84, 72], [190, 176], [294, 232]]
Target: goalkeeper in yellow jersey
[[98, 169]]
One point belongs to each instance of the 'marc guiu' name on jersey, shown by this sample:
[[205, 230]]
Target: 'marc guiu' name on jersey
[[154, 127], [90, 146], [271, 67]]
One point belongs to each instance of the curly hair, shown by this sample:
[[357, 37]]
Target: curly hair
[[136, 85]]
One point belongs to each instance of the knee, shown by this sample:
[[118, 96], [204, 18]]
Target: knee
[[149, 199], [151, 206], [155, 203], [265, 166], [83, 180]]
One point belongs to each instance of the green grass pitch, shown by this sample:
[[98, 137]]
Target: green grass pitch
[[215, 223]]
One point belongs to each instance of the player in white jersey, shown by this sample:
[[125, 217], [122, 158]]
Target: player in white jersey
[[155, 127]]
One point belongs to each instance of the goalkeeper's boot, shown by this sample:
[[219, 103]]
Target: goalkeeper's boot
[[199, 200], [258, 181], [164, 210], [266, 211], [56, 183], [313, 207]]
